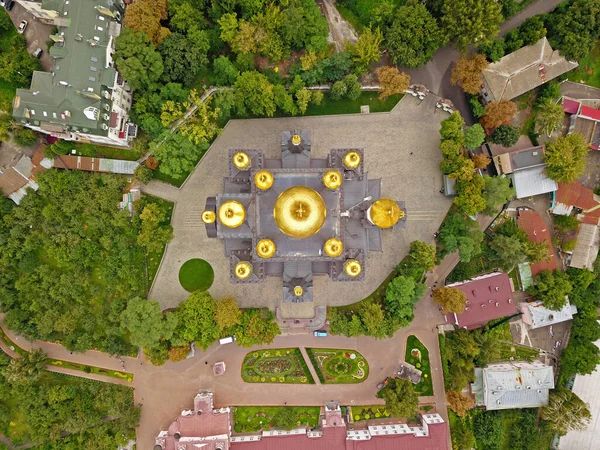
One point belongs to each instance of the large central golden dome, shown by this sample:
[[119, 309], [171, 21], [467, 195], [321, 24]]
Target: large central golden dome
[[299, 212]]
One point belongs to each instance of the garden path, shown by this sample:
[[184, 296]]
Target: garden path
[[311, 368]]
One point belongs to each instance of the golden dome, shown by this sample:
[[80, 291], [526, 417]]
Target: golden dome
[[265, 248], [352, 160], [263, 179], [232, 214], [296, 139], [298, 291], [385, 213], [299, 212], [332, 179], [241, 160], [352, 268], [333, 247], [209, 216], [243, 270]]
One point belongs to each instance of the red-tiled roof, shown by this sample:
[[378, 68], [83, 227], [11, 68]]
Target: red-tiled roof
[[537, 231], [590, 112], [335, 439], [488, 297], [574, 194], [38, 155], [570, 106], [77, 162]]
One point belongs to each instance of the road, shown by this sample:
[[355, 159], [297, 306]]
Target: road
[[36, 33]]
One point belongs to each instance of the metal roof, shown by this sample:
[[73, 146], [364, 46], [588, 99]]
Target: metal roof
[[533, 181], [536, 315]]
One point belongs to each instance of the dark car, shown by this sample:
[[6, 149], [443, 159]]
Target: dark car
[[9, 4]]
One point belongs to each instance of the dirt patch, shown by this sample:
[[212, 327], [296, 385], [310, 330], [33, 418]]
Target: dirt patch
[[340, 31]]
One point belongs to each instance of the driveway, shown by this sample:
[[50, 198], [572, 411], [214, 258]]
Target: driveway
[[36, 33], [579, 91]]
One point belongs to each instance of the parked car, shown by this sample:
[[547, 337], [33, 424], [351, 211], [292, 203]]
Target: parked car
[[227, 340], [320, 333], [22, 26], [38, 52], [9, 4]]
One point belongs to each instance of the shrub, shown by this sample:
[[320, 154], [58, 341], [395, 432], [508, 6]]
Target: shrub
[[569, 246], [25, 137]]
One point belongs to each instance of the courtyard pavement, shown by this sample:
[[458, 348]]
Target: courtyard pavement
[[401, 148]]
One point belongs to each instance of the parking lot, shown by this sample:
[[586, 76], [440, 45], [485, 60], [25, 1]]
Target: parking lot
[[36, 33]]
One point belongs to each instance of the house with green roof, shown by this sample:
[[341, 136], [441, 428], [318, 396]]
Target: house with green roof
[[83, 98]]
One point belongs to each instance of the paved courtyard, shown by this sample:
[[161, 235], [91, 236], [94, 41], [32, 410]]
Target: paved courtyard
[[401, 148]]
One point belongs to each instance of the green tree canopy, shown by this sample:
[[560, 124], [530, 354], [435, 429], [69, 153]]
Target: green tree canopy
[[452, 128], [566, 412], [566, 158], [401, 399], [227, 313], [575, 28], [177, 154], [474, 136], [497, 191], [143, 321], [184, 56], [550, 116], [254, 95], [451, 299], [506, 135], [507, 251], [196, 317], [551, 287], [461, 233], [468, 21], [401, 296], [422, 254], [366, 50], [225, 71], [26, 369], [137, 60], [257, 326]]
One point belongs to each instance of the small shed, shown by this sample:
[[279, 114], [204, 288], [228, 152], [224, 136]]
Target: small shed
[[449, 187]]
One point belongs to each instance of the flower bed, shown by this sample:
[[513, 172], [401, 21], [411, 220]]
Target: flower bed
[[283, 365], [369, 413], [338, 365], [247, 419], [418, 355]]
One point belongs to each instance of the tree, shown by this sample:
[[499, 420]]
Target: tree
[[413, 37], [372, 317], [461, 233], [143, 174], [25, 137], [284, 100], [183, 57], [179, 353], [566, 158], [537, 252], [462, 436], [227, 313], [468, 73], [565, 223], [452, 128], [532, 30], [468, 21], [497, 192], [143, 321], [225, 71], [285, 418], [488, 428], [470, 200], [145, 16], [154, 236], [474, 136], [16, 64], [422, 254], [353, 86], [138, 61], [480, 161], [459, 403], [317, 97], [551, 287], [507, 251], [575, 30], [177, 154], [566, 412], [254, 95], [5, 22], [338, 90], [580, 357], [401, 399], [498, 113], [550, 116], [452, 299], [506, 135], [303, 96], [493, 50], [401, 296], [460, 350], [257, 326], [27, 369], [196, 317], [391, 81], [366, 49]]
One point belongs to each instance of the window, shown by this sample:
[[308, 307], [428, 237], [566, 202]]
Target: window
[[99, 28], [91, 79], [54, 115], [100, 17], [45, 113], [94, 59], [93, 69], [32, 112]]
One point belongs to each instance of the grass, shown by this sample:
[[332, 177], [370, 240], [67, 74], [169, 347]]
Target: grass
[[336, 366], [105, 152], [588, 71], [153, 259], [10, 343], [282, 365], [256, 418], [347, 106], [196, 275], [369, 413], [91, 369], [421, 362], [467, 270], [518, 353], [350, 17]]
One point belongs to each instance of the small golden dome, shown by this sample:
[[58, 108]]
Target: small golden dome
[[209, 217], [243, 270], [241, 160], [352, 160], [385, 213], [232, 214], [299, 212], [352, 268], [332, 179], [265, 248], [296, 139], [333, 247], [298, 291], [263, 179]]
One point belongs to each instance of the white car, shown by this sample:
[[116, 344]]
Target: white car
[[22, 26]]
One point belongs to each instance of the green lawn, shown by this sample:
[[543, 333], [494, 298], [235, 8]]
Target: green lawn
[[255, 418], [105, 152], [91, 369], [196, 275], [420, 359], [338, 366], [588, 71], [508, 350], [369, 412], [347, 106], [282, 365]]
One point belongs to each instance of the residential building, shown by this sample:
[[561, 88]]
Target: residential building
[[537, 231], [83, 98], [527, 170], [523, 70], [513, 385], [536, 315], [15, 180], [91, 164], [46, 11], [584, 120], [489, 297], [210, 429], [586, 247]]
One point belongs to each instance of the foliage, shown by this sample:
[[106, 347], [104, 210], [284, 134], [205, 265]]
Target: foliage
[[537, 252], [282, 365], [177, 154], [496, 193], [460, 352], [422, 254], [420, 359], [493, 50], [507, 251], [284, 419], [467, 73], [145, 324], [550, 116], [498, 113], [249, 419], [143, 174], [353, 86], [549, 92], [480, 161], [227, 313], [225, 71], [24, 137], [461, 233], [452, 299], [401, 399], [468, 21], [574, 28], [487, 427], [366, 50], [257, 326], [566, 412], [153, 236], [413, 36], [506, 135], [337, 366], [254, 95], [476, 107], [180, 353], [184, 56], [196, 275], [474, 136], [137, 60], [566, 223], [16, 64], [452, 128], [196, 318], [392, 81], [566, 157], [459, 403], [401, 296], [551, 287], [145, 16], [27, 369]]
